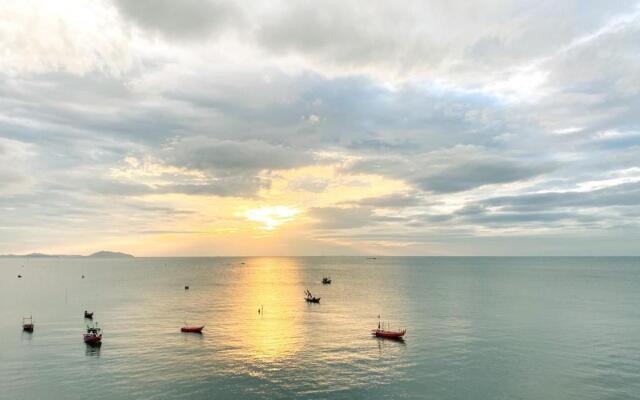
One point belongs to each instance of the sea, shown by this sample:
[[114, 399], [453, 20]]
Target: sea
[[477, 328]]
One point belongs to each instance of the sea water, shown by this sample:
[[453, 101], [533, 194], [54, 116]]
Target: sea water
[[477, 328]]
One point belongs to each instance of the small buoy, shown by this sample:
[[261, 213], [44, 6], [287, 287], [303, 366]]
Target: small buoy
[[186, 287], [19, 276], [82, 276]]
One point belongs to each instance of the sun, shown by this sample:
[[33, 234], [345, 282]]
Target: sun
[[272, 217]]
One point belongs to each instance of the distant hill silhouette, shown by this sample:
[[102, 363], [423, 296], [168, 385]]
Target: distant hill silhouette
[[110, 254], [99, 254], [37, 255]]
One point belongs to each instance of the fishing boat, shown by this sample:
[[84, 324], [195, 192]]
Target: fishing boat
[[383, 333], [192, 329], [88, 315], [93, 337], [309, 297], [27, 324], [387, 333], [326, 280], [186, 287]]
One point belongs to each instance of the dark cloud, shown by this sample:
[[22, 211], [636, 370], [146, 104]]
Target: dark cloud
[[519, 219], [471, 174], [227, 156], [455, 169], [627, 194], [596, 209], [185, 19], [223, 187], [229, 186]]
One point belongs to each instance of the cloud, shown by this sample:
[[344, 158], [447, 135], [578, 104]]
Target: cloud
[[228, 156], [309, 183], [199, 165], [481, 42], [14, 159], [224, 187], [455, 169], [40, 36], [469, 174], [341, 218], [606, 208], [488, 118], [348, 217], [627, 194], [393, 200], [186, 19], [523, 219]]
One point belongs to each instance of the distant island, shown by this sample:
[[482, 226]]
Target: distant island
[[110, 254], [99, 254]]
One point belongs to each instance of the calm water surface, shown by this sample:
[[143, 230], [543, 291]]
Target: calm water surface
[[478, 328]]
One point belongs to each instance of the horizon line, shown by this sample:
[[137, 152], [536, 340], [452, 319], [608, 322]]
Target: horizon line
[[333, 255]]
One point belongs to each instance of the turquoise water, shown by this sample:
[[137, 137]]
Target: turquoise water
[[478, 328]]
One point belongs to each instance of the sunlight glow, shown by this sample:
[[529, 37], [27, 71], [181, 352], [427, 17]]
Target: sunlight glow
[[272, 217]]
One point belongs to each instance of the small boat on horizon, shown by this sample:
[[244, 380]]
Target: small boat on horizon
[[309, 297], [326, 280], [88, 315], [27, 324], [93, 337]]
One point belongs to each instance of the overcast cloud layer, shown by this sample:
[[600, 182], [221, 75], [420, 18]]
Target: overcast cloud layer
[[485, 127]]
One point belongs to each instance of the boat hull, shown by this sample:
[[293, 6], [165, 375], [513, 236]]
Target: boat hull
[[192, 329], [93, 340], [314, 300], [388, 334], [27, 328]]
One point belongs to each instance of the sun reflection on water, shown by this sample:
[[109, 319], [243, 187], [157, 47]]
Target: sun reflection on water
[[268, 328]]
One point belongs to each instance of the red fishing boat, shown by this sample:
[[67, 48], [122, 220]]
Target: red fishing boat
[[93, 337], [387, 333], [191, 329]]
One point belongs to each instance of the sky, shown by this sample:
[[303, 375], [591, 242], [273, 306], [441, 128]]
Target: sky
[[215, 128]]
